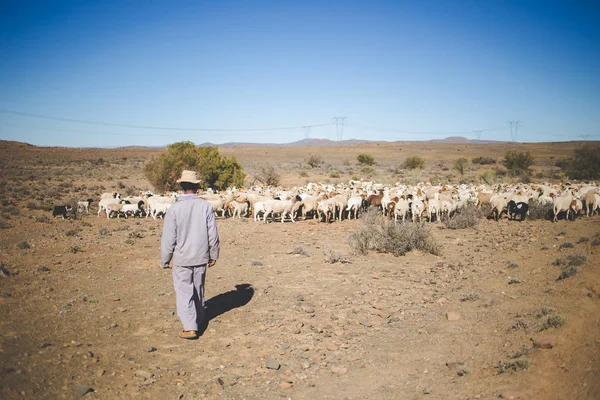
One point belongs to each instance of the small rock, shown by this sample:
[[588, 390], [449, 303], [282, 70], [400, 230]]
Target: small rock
[[452, 316], [308, 309], [89, 354], [285, 385], [451, 364], [544, 342], [149, 349], [43, 268], [100, 372], [143, 374], [339, 370], [427, 390], [272, 364], [83, 389], [44, 345], [512, 395]]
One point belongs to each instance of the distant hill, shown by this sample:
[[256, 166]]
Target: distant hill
[[463, 140]]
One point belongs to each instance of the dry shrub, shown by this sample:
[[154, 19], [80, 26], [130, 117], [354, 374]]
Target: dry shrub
[[376, 233], [537, 210], [333, 257], [465, 217]]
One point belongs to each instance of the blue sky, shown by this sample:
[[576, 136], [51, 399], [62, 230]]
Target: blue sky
[[393, 68]]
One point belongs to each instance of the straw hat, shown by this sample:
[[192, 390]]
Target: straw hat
[[188, 176]]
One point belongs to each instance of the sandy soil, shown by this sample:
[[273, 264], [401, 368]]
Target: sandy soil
[[87, 304]]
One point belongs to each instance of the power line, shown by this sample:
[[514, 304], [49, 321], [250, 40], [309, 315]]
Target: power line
[[514, 127], [374, 128], [164, 128], [339, 126]]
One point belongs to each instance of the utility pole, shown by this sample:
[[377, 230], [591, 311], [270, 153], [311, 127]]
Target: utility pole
[[306, 130], [514, 127], [339, 126], [478, 134]]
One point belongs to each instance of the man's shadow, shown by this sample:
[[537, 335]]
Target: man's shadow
[[227, 301]]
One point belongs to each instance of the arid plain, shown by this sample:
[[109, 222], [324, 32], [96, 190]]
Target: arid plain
[[86, 308]]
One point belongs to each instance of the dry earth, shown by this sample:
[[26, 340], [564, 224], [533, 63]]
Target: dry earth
[[87, 304]]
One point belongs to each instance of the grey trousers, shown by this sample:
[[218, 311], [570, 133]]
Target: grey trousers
[[189, 293]]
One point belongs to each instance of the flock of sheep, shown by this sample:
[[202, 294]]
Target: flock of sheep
[[328, 203]]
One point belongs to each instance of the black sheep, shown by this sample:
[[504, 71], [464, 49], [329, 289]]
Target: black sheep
[[514, 209]]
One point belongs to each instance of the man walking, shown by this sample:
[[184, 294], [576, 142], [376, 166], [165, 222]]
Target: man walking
[[191, 239]]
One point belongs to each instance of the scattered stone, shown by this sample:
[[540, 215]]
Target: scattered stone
[[544, 342], [427, 390], [272, 364], [44, 345], [143, 374], [149, 349], [308, 309], [366, 323], [100, 372], [339, 370], [285, 385], [43, 268], [451, 364], [512, 395], [89, 354], [83, 389], [452, 316]]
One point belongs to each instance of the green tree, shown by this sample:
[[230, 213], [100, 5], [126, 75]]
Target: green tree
[[414, 162], [517, 162], [365, 159], [586, 163], [460, 164], [215, 170]]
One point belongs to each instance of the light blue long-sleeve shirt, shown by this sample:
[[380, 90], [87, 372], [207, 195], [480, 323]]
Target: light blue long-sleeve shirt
[[189, 235]]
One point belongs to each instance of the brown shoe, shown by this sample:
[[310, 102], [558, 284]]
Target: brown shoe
[[188, 334]]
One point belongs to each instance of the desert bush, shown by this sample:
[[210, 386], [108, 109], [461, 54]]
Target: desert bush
[[512, 265], [414, 162], [567, 273], [576, 259], [300, 250], [71, 232], [566, 245], [215, 170], [334, 174], [537, 210], [460, 164], [487, 176], [553, 321], [4, 224], [75, 249], [583, 239], [42, 218], [586, 163], [516, 365], [465, 217], [469, 297], [103, 232], [303, 174], [379, 234], [268, 175], [315, 161], [563, 163], [23, 245], [483, 160], [365, 159], [596, 242], [517, 162], [332, 257]]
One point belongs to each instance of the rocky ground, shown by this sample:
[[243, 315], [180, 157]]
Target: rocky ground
[[294, 314]]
